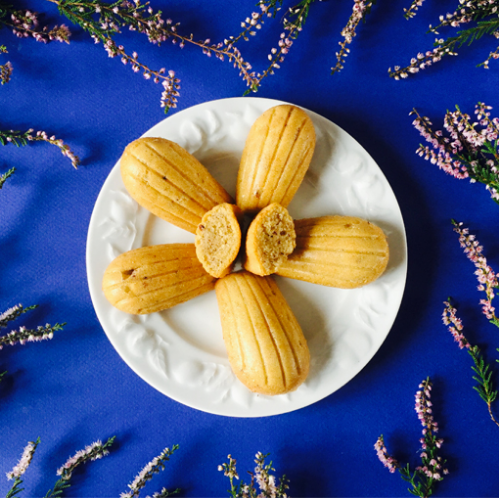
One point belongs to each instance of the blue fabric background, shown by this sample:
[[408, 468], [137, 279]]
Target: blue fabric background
[[75, 388]]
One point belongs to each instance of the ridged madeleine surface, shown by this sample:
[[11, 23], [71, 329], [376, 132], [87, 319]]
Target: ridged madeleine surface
[[168, 181], [218, 239], [270, 239], [337, 251], [265, 344], [154, 278], [276, 156]]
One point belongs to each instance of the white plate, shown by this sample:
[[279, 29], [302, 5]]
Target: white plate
[[180, 351]]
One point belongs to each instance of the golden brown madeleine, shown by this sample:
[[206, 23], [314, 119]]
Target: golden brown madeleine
[[153, 278], [218, 239], [270, 239], [171, 183], [276, 156], [337, 251], [265, 344]]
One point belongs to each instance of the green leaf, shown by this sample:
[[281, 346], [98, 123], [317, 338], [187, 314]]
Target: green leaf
[[495, 321], [5, 176]]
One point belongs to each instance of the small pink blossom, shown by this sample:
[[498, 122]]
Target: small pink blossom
[[21, 467], [382, 453]]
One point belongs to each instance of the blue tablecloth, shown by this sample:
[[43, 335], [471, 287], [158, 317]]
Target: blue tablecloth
[[75, 388]]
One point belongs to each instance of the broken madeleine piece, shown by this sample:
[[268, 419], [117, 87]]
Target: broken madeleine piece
[[154, 278], [218, 239], [270, 239], [265, 344], [275, 158], [169, 182], [337, 251]]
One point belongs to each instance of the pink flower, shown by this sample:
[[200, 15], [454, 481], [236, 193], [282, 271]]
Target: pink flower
[[486, 276], [382, 453], [21, 467]]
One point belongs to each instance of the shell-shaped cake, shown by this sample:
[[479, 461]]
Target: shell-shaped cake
[[275, 158], [265, 344], [218, 239], [168, 181], [153, 278], [270, 239], [337, 251]]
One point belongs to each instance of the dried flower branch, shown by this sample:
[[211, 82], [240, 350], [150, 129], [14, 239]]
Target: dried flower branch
[[23, 138], [293, 25], [13, 313], [6, 175], [487, 278], [431, 470], [92, 452], [360, 10], [250, 24], [5, 72], [23, 335], [483, 370], [21, 467], [102, 21], [471, 149], [411, 11], [485, 15], [5, 69], [385, 458], [150, 469], [266, 481], [25, 23]]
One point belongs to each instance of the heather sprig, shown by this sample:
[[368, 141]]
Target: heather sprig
[[411, 11], [385, 458], [5, 72], [272, 6], [26, 23], [468, 149], [102, 21], [360, 9], [292, 24], [425, 476], [483, 371], [261, 476], [21, 467], [485, 16], [251, 24], [91, 452], [150, 469], [13, 313], [23, 138], [6, 175], [24, 335], [164, 492], [487, 278]]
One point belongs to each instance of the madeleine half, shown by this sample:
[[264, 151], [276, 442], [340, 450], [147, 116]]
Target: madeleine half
[[168, 181], [153, 278], [270, 239], [275, 158], [218, 239], [265, 344], [337, 251]]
